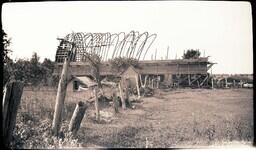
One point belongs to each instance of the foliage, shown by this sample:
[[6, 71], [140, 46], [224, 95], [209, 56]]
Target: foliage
[[191, 54], [122, 63], [33, 72], [7, 61], [95, 61], [6, 43]]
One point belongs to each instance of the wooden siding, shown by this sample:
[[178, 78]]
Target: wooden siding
[[145, 67]]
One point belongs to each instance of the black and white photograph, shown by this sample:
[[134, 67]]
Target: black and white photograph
[[127, 74]]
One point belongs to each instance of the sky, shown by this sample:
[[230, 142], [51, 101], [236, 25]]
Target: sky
[[221, 30]]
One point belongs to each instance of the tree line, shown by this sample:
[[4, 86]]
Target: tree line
[[31, 71]]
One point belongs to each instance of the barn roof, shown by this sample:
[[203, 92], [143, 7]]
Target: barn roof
[[86, 80], [131, 67]]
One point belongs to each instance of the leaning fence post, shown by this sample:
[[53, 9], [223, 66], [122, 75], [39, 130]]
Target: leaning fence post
[[77, 117], [11, 100], [61, 93]]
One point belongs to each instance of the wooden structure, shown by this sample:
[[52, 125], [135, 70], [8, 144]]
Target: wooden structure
[[11, 100], [185, 72]]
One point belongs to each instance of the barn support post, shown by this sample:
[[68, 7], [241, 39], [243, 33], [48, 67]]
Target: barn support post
[[11, 101], [141, 80], [212, 82], [137, 84], [234, 83], [77, 117], [145, 81], [157, 83], [60, 98], [226, 83], [97, 110], [189, 82], [204, 80], [198, 85], [179, 81], [121, 95]]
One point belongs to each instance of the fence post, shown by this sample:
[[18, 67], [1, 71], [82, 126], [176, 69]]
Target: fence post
[[77, 117], [115, 102], [212, 82], [121, 95], [137, 85], [97, 110], [61, 93], [11, 100], [127, 93]]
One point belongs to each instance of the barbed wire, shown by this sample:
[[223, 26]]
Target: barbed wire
[[109, 46]]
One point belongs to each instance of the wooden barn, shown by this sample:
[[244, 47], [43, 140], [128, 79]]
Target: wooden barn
[[183, 72]]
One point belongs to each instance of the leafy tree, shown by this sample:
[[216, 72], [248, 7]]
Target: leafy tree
[[191, 54], [122, 63], [6, 43], [48, 66], [7, 61], [95, 61]]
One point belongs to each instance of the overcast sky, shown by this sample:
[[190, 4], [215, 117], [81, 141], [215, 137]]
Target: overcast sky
[[222, 30]]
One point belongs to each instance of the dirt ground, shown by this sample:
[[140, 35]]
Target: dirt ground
[[177, 118]]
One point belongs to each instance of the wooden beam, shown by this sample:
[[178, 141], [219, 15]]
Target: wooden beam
[[204, 80]]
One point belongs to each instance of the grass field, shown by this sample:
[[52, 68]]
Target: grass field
[[177, 118]]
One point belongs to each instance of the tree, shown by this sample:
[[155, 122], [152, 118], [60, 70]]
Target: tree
[[48, 66], [95, 61], [122, 63], [7, 61], [6, 43], [191, 54]]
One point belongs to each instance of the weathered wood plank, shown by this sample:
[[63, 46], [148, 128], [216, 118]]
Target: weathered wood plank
[[77, 117], [11, 100], [60, 98]]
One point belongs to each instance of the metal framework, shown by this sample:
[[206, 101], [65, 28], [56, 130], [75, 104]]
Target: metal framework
[[106, 45]]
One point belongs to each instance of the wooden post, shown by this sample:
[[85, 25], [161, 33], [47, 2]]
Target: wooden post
[[137, 84], [77, 117], [60, 98], [226, 83], [97, 110], [189, 82], [121, 95], [141, 80], [212, 82], [145, 81], [127, 93], [11, 100], [115, 102], [234, 83]]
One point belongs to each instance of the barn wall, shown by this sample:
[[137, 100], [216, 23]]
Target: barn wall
[[146, 67]]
